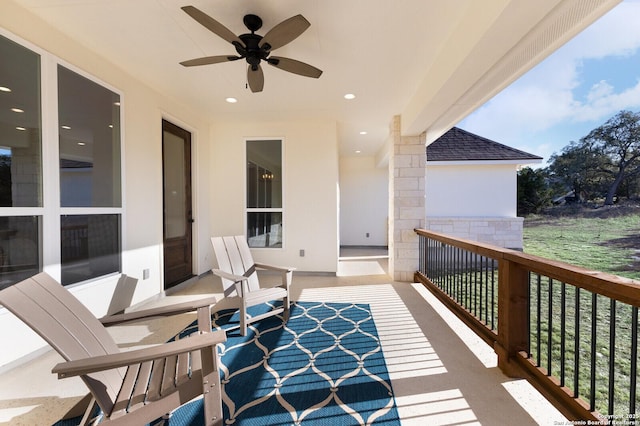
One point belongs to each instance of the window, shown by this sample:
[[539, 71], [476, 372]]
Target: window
[[64, 219], [89, 158], [264, 193], [20, 163]]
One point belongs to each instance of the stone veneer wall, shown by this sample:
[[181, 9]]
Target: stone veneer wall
[[504, 232], [406, 201]]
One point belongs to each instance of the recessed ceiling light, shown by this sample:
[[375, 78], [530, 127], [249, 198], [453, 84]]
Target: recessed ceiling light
[[4, 89], [81, 143], [111, 126], [22, 129], [358, 151], [117, 103], [349, 96], [17, 110], [231, 100], [363, 132], [66, 127]]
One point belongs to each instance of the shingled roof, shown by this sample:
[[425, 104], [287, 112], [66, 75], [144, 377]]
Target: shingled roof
[[460, 145]]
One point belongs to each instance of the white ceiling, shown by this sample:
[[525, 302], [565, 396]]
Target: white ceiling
[[430, 61]]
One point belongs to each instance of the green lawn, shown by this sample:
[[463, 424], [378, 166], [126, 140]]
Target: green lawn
[[607, 244], [600, 240]]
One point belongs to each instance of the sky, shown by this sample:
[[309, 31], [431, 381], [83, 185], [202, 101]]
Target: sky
[[576, 89]]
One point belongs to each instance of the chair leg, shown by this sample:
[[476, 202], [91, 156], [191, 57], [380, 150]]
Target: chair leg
[[287, 307], [211, 393], [243, 319], [89, 418]]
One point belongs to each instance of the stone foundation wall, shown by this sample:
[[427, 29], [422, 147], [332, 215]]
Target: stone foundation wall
[[504, 232]]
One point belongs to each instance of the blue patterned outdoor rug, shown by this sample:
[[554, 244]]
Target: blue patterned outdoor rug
[[323, 367]]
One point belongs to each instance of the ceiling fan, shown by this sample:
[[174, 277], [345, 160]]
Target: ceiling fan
[[255, 48]]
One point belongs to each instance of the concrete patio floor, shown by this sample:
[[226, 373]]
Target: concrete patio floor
[[441, 372]]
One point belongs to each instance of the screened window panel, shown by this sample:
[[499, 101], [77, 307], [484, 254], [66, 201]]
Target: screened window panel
[[90, 246]]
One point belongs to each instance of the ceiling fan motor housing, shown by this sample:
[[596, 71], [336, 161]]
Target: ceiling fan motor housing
[[251, 49]]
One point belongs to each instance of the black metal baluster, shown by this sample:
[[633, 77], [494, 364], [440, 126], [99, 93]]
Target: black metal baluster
[[529, 325], [493, 295], [539, 322], [634, 360], [457, 272], [594, 323], [576, 361], [563, 334], [612, 354], [550, 329], [475, 286], [482, 261]]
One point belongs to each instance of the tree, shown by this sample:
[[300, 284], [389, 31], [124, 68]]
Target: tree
[[577, 169], [533, 193], [618, 140], [600, 162]]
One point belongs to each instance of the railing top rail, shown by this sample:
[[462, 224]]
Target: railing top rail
[[619, 288]]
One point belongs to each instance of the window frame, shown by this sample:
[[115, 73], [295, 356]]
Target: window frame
[[280, 210]]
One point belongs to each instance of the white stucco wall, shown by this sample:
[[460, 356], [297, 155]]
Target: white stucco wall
[[471, 190], [477, 202], [310, 189], [364, 202]]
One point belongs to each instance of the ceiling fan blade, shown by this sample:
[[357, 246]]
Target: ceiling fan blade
[[284, 33], [212, 25], [294, 66], [207, 60], [255, 78]]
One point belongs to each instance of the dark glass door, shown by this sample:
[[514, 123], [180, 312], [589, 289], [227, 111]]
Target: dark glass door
[[177, 217]]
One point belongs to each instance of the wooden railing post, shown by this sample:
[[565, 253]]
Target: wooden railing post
[[513, 308]]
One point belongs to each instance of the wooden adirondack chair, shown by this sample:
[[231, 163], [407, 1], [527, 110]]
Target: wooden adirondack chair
[[132, 387], [240, 282]]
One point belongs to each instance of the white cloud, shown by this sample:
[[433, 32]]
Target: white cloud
[[546, 96], [617, 33]]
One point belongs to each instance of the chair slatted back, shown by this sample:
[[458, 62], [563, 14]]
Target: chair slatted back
[[234, 256], [68, 326]]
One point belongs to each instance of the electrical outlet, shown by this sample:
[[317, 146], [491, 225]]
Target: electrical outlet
[[367, 235], [301, 252], [145, 274]]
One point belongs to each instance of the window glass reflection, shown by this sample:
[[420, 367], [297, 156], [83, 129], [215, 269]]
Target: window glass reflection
[[20, 127], [264, 229], [264, 174], [89, 118]]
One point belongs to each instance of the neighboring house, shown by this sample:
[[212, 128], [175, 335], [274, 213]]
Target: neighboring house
[[471, 188], [95, 82]]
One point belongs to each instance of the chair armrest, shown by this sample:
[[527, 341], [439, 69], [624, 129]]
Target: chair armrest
[[123, 359], [274, 268], [286, 272], [229, 276], [174, 309]]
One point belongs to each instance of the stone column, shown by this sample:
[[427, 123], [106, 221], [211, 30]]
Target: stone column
[[406, 200]]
